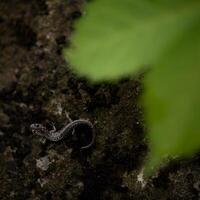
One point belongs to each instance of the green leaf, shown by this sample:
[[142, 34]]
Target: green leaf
[[172, 100], [117, 38]]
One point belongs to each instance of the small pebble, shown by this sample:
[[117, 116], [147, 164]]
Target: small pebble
[[1, 133], [43, 163]]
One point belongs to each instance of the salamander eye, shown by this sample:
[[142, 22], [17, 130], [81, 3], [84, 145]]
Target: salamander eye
[[38, 126]]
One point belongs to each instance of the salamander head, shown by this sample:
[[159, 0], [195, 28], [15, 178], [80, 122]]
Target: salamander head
[[38, 129]]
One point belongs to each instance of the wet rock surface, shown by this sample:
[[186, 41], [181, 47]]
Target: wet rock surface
[[37, 85]]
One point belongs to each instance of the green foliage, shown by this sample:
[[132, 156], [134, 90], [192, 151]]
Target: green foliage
[[118, 38], [172, 100]]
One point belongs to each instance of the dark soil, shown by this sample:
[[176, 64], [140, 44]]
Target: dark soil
[[36, 85]]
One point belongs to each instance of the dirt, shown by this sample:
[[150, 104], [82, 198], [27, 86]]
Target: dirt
[[37, 85]]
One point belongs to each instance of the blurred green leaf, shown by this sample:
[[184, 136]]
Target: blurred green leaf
[[172, 100], [118, 38]]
